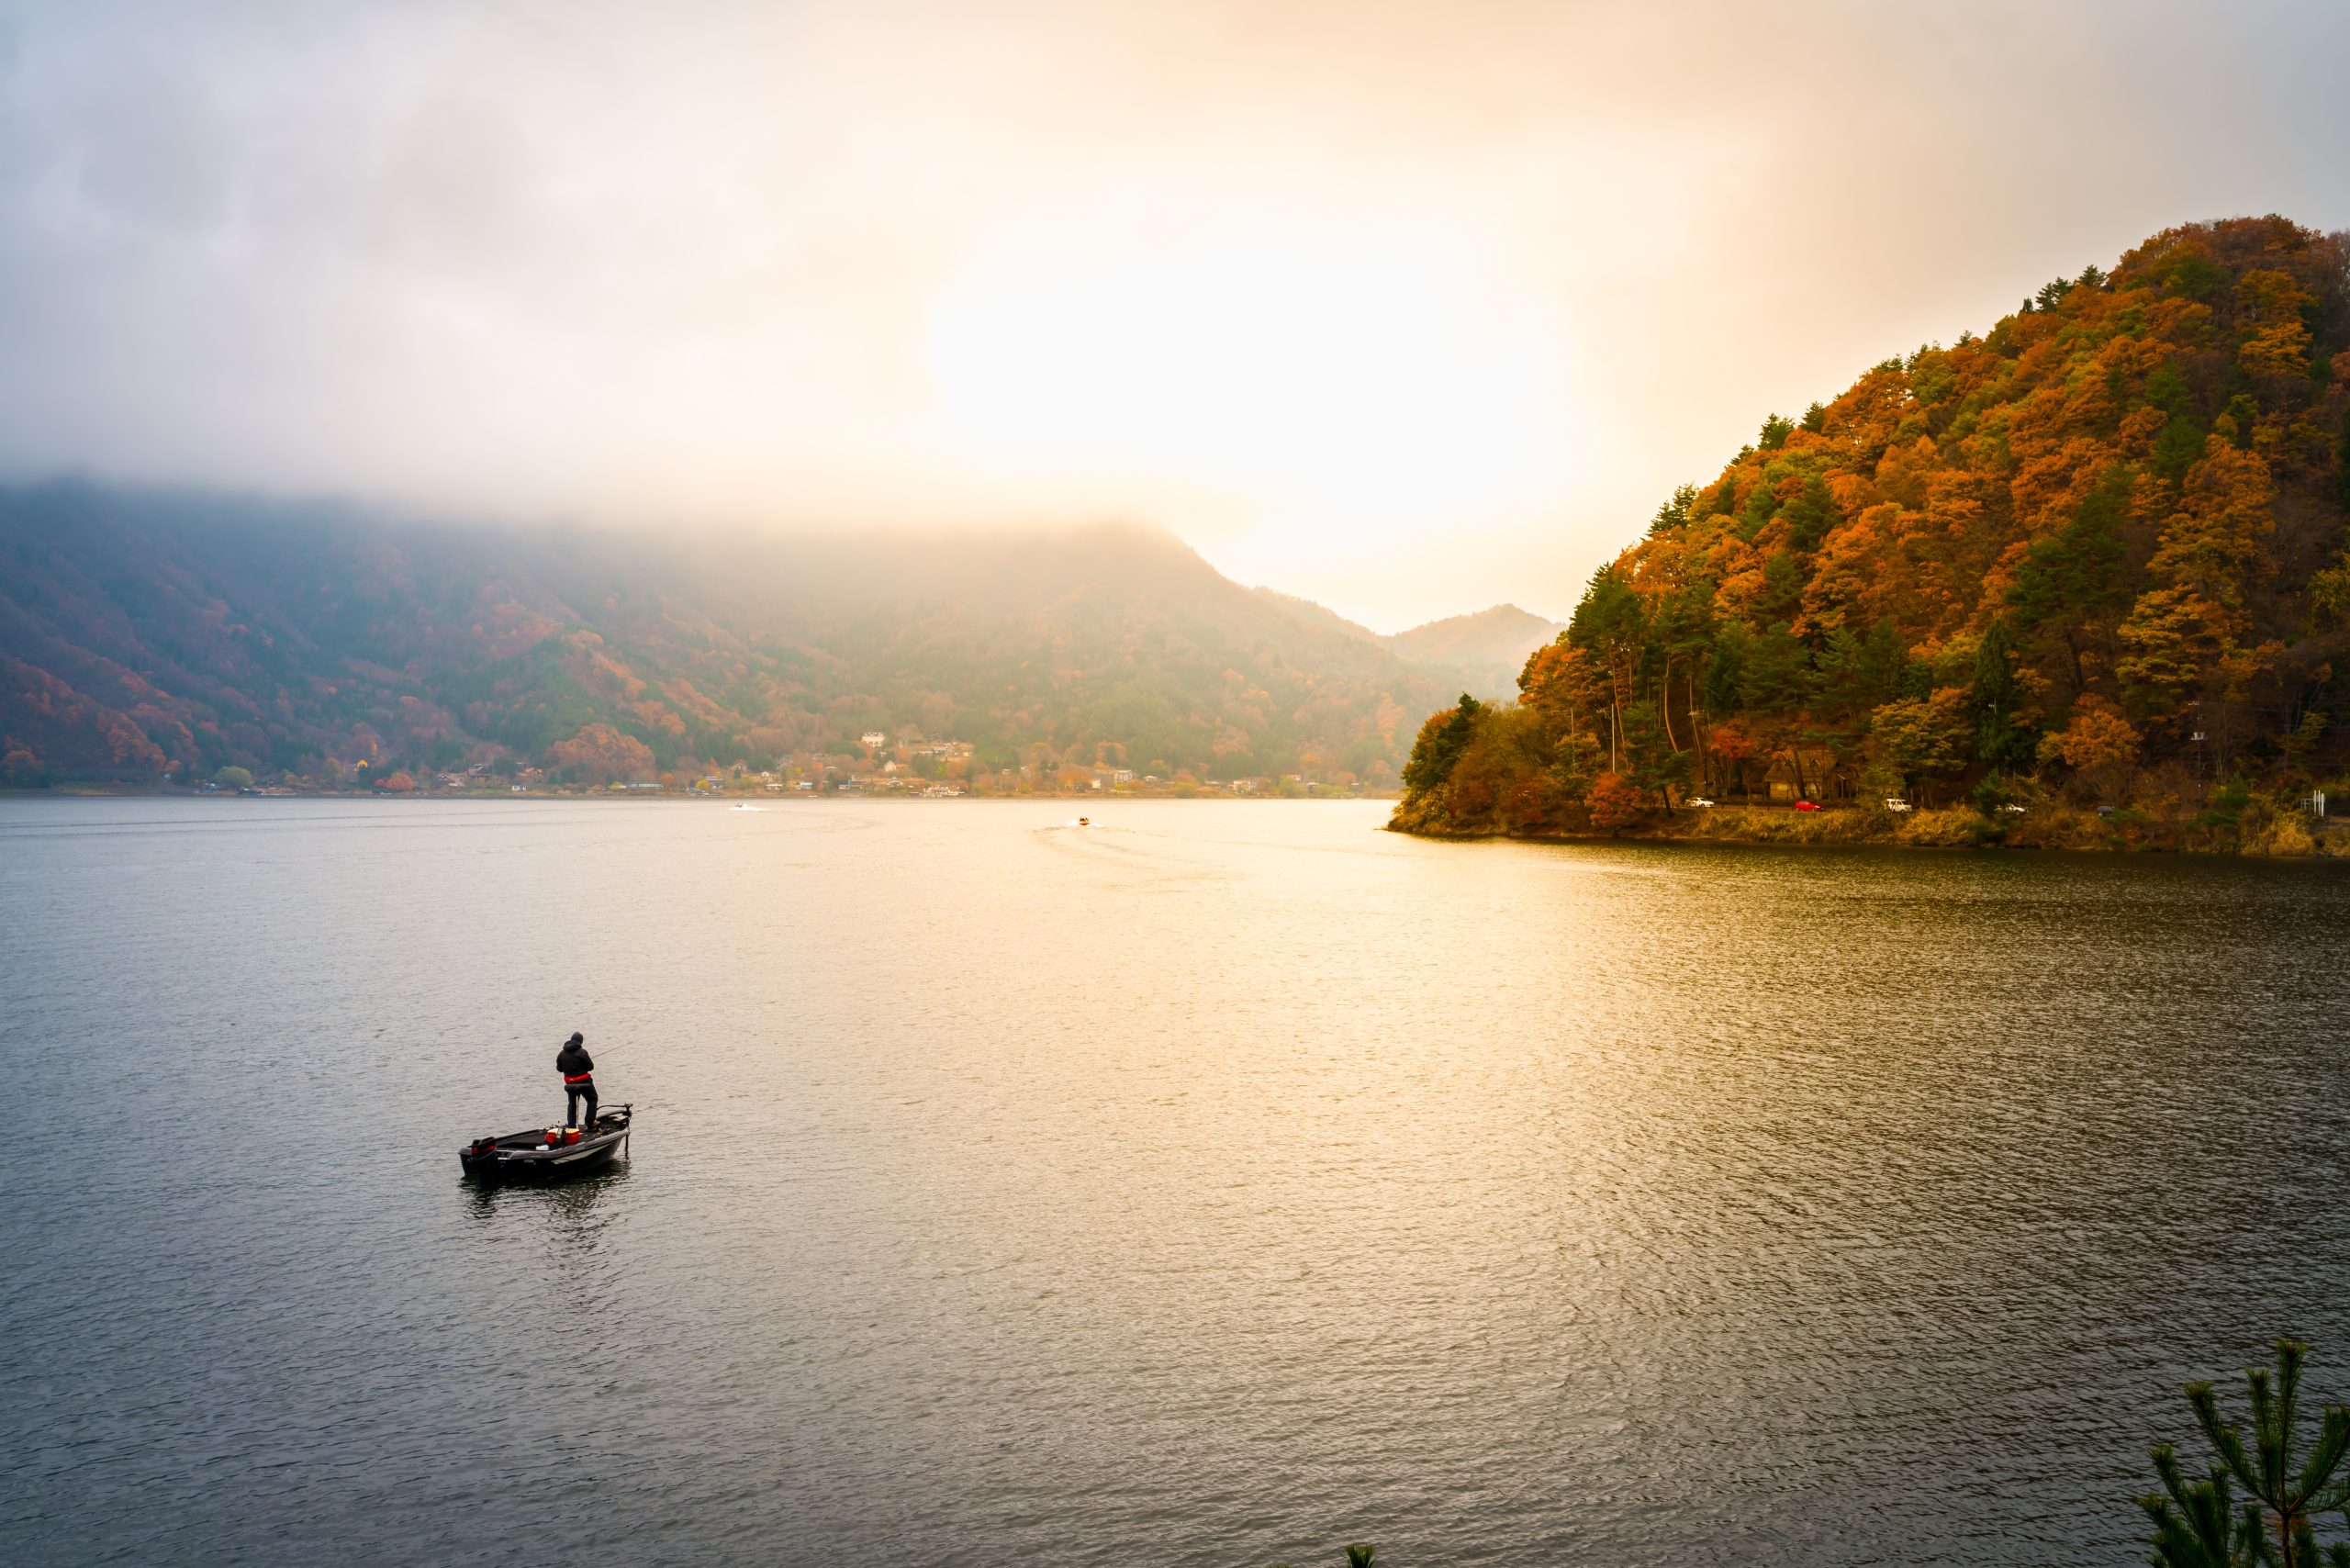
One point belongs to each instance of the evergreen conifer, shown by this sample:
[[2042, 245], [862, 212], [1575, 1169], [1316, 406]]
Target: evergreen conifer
[[2196, 1524]]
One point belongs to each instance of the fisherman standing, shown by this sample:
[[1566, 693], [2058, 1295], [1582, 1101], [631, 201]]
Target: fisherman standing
[[578, 1071]]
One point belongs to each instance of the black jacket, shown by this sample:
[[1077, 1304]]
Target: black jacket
[[573, 1060]]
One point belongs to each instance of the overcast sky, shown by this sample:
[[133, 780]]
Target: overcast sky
[[1407, 309]]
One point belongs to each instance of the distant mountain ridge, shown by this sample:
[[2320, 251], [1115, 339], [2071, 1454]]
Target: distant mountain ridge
[[1494, 644], [1481, 651], [144, 632]]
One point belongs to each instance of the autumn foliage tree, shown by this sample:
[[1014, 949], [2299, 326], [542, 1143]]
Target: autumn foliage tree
[[1616, 803], [600, 754], [2099, 745]]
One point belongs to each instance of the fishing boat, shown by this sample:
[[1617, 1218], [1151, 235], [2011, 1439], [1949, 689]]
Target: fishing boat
[[549, 1154]]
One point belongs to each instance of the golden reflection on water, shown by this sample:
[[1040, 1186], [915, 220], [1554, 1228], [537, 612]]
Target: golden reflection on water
[[1231, 1178]]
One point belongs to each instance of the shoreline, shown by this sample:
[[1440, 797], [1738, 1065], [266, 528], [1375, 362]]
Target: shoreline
[[2270, 836], [138, 793]]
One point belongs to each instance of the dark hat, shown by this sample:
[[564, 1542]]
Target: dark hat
[[575, 1038]]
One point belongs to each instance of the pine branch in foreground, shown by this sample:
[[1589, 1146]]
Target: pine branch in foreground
[[2198, 1525]]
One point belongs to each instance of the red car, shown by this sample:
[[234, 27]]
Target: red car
[[1807, 805]]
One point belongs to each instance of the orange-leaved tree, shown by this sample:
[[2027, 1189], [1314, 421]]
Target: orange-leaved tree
[[1616, 803]]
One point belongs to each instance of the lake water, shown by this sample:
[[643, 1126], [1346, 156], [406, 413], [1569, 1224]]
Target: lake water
[[1214, 1185]]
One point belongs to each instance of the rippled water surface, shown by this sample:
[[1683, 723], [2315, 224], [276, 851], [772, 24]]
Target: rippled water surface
[[1213, 1185]]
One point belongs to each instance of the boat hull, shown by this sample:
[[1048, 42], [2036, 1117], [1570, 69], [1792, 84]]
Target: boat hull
[[520, 1157]]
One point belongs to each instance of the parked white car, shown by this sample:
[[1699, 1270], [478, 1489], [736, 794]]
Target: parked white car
[[1698, 802], [1894, 805]]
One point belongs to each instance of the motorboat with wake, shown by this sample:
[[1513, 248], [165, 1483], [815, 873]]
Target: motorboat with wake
[[549, 1154]]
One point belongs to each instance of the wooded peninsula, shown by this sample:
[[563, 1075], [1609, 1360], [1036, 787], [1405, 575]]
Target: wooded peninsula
[[2079, 582]]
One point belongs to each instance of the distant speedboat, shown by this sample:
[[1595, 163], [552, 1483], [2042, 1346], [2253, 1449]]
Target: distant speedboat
[[746, 808], [547, 1154]]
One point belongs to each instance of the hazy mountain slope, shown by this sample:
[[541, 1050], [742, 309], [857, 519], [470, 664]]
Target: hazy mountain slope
[[1313, 614], [1491, 646], [1481, 653], [142, 629], [1503, 635]]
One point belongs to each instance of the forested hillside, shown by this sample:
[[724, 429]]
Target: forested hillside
[[147, 634], [2093, 555]]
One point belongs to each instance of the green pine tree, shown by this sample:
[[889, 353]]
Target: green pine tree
[[1439, 747], [1674, 513], [2196, 1523], [1999, 739], [1810, 515], [2342, 460]]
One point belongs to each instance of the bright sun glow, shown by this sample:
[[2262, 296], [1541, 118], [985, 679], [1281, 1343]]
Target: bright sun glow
[[1361, 381]]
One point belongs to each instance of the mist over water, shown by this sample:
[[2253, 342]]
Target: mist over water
[[1212, 1185]]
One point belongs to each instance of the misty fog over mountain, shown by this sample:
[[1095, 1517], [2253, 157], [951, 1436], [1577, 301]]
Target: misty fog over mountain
[[146, 633]]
